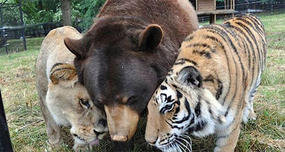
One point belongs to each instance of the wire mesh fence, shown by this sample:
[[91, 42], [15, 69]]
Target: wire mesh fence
[[12, 31]]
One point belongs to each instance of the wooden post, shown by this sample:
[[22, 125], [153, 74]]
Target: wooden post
[[5, 142], [213, 18]]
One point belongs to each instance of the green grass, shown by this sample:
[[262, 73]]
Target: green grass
[[267, 133]]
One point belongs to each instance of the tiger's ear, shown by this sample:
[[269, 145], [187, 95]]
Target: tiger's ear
[[76, 46], [190, 76], [62, 72], [150, 37]]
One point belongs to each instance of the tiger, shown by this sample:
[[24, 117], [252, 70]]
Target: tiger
[[211, 86]]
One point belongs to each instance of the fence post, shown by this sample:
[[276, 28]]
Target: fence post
[[23, 24], [5, 142]]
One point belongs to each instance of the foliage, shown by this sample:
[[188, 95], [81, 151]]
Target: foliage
[[89, 9], [42, 11]]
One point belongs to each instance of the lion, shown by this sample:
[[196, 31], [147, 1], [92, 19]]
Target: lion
[[63, 100]]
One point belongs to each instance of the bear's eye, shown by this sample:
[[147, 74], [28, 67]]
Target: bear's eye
[[84, 103]]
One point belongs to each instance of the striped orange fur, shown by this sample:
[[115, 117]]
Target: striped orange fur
[[211, 86]]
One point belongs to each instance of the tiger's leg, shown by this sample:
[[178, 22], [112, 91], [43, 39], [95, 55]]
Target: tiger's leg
[[252, 115], [227, 138], [248, 110]]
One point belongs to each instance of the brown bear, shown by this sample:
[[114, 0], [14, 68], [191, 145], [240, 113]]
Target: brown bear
[[126, 54]]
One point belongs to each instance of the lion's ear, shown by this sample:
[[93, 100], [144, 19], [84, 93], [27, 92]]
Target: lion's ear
[[150, 37], [62, 72]]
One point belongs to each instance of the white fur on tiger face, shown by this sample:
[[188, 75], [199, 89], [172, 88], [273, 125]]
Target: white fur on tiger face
[[193, 110]]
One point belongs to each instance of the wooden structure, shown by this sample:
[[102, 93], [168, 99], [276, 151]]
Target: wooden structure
[[208, 7]]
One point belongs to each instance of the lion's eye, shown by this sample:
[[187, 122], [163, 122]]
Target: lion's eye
[[84, 103], [166, 108]]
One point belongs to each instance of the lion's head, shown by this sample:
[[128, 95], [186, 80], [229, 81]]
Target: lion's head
[[70, 105]]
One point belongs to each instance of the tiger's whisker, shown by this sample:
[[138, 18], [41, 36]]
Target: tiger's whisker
[[181, 144], [189, 149]]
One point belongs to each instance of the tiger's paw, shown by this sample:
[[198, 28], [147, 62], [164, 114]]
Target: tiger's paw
[[252, 115]]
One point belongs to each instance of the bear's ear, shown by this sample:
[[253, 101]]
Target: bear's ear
[[76, 46], [62, 72], [190, 76], [150, 37]]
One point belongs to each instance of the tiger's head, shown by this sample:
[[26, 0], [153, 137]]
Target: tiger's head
[[181, 106]]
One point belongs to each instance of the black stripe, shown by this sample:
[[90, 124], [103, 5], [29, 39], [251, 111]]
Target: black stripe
[[199, 45], [203, 53], [166, 81], [197, 109], [253, 26], [226, 38], [257, 21], [183, 60], [215, 40], [179, 94], [251, 35], [228, 24], [177, 110], [255, 42], [235, 36], [252, 49], [209, 78], [239, 58], [219, 90], [162, 87], [177, 127], [187, 106], [260, 32], [169, 100], [219, 32], [248, 52]]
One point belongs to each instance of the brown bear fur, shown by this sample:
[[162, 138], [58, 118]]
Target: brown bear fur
[[126, 54]]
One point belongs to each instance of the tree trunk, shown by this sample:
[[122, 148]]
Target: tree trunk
[[66, 12]]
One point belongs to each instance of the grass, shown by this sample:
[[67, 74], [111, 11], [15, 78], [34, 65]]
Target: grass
[[267, 133]]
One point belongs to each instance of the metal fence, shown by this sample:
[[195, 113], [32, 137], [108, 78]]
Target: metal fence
[[11, 22]]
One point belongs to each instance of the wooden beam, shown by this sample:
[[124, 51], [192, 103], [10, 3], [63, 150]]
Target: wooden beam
[[228, 11], [213, 18]]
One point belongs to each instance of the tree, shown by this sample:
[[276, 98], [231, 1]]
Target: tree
[[66, 12]]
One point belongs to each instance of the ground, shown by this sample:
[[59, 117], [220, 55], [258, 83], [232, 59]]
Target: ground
[[267, 133]]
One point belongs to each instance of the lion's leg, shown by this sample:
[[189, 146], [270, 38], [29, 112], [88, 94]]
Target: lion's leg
[[227, 139], [53, 130]]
